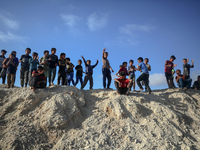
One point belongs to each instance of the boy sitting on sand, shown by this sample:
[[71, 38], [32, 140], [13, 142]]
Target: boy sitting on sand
[[38, 79], [182, 81], [122, 84], [89, 72]]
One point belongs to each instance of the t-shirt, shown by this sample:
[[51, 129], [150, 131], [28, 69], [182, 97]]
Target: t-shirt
[[62, 65], [124, 83], [89, 68], [25, 62], [186, 69], [11, 69], [169, 69], [79, 72], [143, 67], [131, 73], [196, 85], [40, 77], [46, 63], [70, 68], [33, 63], [181, 76], [106, 63], [2, 58], [124, 70], [53, 61]]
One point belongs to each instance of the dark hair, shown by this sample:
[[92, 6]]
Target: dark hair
[[173, 57], [46, 51], [131, 61], [122, 73], [106, 52], [178, 70], [40, 68], [68, 58], [80, 60], [89, 61], [12, 55], [3, 50], [198, 77], [13, 52], [34, 54], [53, 49], [140, 58], [28, 49], [185, 59], [147, 59], [62, 54], [124, 63]]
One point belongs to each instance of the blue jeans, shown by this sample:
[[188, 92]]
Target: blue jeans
[[187, 83], [71, 78], [52, 72], [79, 78], [106, 74]]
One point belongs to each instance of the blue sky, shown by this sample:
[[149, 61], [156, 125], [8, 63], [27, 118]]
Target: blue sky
[[128, 29]]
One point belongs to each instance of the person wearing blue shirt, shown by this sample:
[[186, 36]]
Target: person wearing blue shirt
[[144, 76]]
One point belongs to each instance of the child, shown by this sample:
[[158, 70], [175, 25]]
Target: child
[[131, 71], [123, 68], [62, 65], [11, 70], [25, 65], [33, 62], [186, 68], [45, 64], [70, 72], [2, 69], [122, 84], [196, 84], [144, 76], [16, 61], [182, 81], [168, 71], [53, 63], [106, 69], [89, 72], [79, 72], [38, 79], [146, 61]]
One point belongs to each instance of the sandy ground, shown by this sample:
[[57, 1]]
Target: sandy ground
[[61, 117]]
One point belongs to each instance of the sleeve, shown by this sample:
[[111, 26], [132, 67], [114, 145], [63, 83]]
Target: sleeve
[[95, 64], [30, 60], [76, 67], [21, 57]]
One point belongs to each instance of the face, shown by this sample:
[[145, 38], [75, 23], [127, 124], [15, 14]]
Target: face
[[123, 77], [27, 52], [79, 62], [139, 61], [88, 62], [46, 54], [130, 63], [146, 61], [11, 57], [105, 55], [53, 52], [199, 79], [184, 61], [63, 56], [3, 53], [171, 59], [178, 72], [125, 65]]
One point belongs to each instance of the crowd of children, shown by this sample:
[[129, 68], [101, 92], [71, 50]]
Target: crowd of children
[[35, 71]]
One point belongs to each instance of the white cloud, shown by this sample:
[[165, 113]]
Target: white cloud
[[10, 23], [95, 22], [10, 36], [131, 28], [157, 79], [69, 19]]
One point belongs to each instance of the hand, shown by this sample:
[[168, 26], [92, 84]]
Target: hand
[[37, 58], [137, 66], [192, 60], [49, 58], [104, 49], [187, 60], [82, 57], [175, 65], [120, 84], [112, 70]]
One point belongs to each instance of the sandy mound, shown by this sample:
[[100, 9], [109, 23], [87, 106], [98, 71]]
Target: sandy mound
[[60, 117]]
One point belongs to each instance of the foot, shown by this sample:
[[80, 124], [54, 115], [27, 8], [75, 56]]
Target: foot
[[52, 83], [139, 90], [25, 84], [149, 92]]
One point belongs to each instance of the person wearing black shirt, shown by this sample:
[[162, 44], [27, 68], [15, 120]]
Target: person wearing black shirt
[[2, 69]]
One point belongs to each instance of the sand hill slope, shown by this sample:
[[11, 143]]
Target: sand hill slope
[[60, 117]]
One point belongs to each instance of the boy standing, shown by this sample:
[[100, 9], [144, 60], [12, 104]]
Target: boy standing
[[70, 72], [122, 84], [11, 70], [131, 71], [144, 76], [186, 68], [79, 72], [2, 69], [168, 71], [25, 65], [33, 62], [89, 72], [45, 64], [61, 72], [106, 69], [53, 63]]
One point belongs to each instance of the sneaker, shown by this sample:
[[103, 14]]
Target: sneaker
[[25, 84]]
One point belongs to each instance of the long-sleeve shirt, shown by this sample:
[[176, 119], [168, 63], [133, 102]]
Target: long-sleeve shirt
[[33, 63], [89, 68], [53, 61], [186, 69], [2, 58]]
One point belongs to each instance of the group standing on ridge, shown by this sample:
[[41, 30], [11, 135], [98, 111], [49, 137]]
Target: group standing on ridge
[[37, 72]]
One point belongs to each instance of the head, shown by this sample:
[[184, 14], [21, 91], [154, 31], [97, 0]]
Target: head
[[178, 72], [11, 56], [79, 61], [53, 51], [124, 64], [68, 59], [88, 62], [140, 59], [105, 54], [198, 78], [35, 55], [3, 52], [40, 68], [28, 51], [62, 56], [46, 53], [172, 58], [184, 60], [146, 60], [14, 52], [131, 62], [122, 75]]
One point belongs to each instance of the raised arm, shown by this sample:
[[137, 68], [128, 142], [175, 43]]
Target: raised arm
[[84, 60], [103, 52], [95, 64]]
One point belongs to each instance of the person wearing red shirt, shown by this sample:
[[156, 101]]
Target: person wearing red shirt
[[122, 84], [123, 69]]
